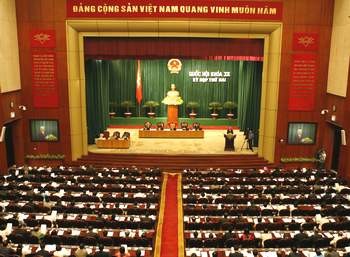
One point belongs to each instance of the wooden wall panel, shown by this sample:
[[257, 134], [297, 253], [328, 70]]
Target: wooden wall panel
[[44, 14], [303, 16], [5, 109], [342, 112], [298, 16]]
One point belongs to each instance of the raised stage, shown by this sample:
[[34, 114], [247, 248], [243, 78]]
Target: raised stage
[[213, 143], [175, 134], [175, 153], [121, 121]]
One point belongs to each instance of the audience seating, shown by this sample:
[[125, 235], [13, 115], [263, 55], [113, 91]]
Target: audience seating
[[267, 209], [119, 206], [273, 205]]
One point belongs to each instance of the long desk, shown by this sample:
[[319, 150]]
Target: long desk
[[171, 133], [113, 143]]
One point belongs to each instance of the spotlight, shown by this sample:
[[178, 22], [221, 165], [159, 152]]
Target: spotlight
[[22, 107], [324, 111]]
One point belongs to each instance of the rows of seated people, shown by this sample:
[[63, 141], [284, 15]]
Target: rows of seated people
[[265, 208], [116, 135], [85, 206]]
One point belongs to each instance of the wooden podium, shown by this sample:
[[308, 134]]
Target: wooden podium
[[173, 114]]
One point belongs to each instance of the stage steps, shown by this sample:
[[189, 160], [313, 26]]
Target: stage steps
[[174, 162]]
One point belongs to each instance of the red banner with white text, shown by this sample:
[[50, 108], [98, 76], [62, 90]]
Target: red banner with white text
[[44, 82], [302, 89], [207, 9], [44, 78]]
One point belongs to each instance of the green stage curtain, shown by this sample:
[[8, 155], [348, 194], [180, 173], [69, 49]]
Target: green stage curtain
[[117, 82], [97, 97], [249, 95]]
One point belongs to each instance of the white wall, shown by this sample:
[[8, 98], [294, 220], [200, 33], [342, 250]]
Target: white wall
[[340, 49], [9, 58]]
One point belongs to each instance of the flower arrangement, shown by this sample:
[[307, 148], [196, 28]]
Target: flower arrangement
[[297, 159], [45, 156]]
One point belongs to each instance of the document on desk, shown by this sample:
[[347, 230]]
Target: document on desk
[[75, 232], [277, 234], [247, 254], [268, 254], [195, 251], [327, 234], [110, 233], [204, 254], [50, 248]]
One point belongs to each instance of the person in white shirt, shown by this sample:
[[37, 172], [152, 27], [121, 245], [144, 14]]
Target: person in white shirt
[[59, 252], [337, 237]]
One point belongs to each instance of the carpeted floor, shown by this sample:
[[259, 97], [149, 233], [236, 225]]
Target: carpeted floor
[[169, 238]]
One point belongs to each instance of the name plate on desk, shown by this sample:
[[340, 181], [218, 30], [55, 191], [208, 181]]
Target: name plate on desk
[[171, 133], [113, 143]]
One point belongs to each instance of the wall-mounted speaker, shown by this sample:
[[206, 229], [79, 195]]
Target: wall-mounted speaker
[[2, 135], [343, 137]]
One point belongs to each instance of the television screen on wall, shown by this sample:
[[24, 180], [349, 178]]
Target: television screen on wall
[[44, 130], [302, 133]]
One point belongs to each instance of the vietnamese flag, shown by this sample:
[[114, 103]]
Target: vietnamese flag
[[138, 83]]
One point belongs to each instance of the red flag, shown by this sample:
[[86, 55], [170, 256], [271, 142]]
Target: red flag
[[138, 83]]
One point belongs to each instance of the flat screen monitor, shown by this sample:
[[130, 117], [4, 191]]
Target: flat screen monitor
[[44, 130], [302, 133]]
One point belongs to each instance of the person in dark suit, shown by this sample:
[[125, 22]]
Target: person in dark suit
[[294, 252], [116, 135], [331, 252], [160, 125], [138, 253], [147, 125], [184, 125], [229, 142], [298, 238], [236, 253], [5, 250], [250, 139], [126, 135], [196, 126], [91, 233], [122, 253], [101, 253], [256, 253], [315, 237], [229, 130], [42, 252], [318, 252]]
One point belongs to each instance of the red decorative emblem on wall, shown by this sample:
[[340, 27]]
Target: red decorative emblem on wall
[[305, 41], [43, 38]]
